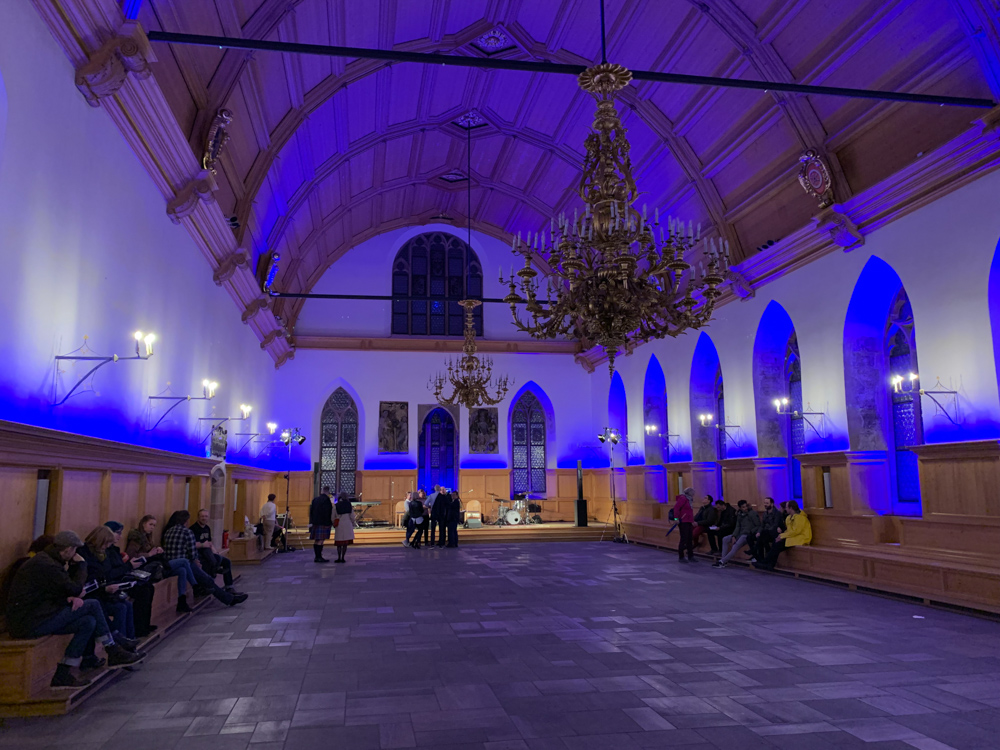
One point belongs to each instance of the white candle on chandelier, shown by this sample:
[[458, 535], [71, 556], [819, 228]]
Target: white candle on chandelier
[[698, 236], [690, 231], [644, 211], [656, 214]]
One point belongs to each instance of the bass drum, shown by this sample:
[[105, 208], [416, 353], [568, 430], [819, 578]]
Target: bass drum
[[513, 518]]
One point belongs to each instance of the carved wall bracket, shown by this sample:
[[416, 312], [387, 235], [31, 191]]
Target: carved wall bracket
[[271, 336], [286, 357], [108, 67], [262, 303], [842, 230], [739, 284], [228, 267], [202, 188]]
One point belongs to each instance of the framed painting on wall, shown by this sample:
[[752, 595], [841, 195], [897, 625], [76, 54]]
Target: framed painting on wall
[[393, 427], [483, 429]]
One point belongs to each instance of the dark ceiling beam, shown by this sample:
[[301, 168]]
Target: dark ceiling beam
[[427, 58]]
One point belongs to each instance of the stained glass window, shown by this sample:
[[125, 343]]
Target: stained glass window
[[907, 427], [338, 457], [527, 430], [797, 432], [430, 275]]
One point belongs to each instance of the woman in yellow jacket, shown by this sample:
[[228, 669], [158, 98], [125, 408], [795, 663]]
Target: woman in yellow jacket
[[798, 532]]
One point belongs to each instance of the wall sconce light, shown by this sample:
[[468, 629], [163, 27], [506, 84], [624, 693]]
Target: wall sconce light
[[901, 386], [652, 430], [140, 338], [245, 410], [208, 393], [707, 420], [248, 435], [783, 407], [271, 427]]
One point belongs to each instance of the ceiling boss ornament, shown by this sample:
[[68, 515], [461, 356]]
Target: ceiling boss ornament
[[471, 378], [616, 278]]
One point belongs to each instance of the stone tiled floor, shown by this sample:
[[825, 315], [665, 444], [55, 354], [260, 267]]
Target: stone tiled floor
[[547, 646]]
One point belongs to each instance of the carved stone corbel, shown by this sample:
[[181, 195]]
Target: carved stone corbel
[[584, 361], [261, 303], [271, 336], [286, 357], [839, 226], [128, 52], [739, 284], [201, 188], [228, 267]]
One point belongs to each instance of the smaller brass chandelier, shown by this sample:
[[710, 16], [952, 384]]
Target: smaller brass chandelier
[[471, 378]]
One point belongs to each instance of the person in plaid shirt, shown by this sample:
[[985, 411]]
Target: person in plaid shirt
[[179, 544]]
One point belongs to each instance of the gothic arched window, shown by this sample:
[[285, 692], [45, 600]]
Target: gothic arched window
[[907, 426], [338, 457], [720, 412], [797, 431], [527, 431], [431, 273]]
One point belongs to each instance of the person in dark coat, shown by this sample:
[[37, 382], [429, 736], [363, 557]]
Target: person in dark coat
[[418, 518], [724, 526], [105, 573], [320, 522], [45, 600], [771, 521], [439, 518], [141, 593], [684, 517], [453, 512], [704, 520]]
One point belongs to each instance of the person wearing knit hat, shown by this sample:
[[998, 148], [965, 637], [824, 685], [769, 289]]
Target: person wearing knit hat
[[45, 599]]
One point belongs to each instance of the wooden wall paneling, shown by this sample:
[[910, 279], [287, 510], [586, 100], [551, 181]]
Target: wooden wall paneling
[[53, 510], [158, 489], [233, 491], [565, 483], [836, 529], [235, 519], [812, 480], [655, 484], [20, 487], [960, 535], [124, 499], [960, 479], [104, 505], [80, 509], [739, 481], [634, 481]]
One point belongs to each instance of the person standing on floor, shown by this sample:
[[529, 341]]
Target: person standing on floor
[[407, 525], [320, 522], [344, 522], [453, 512], [684, 517], [269, 518], [798, 533], [745, 531], [418, 518], [433, 519], [439, 517]]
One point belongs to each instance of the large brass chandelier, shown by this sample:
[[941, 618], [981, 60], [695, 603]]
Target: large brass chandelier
[[615, 278], [471, 377]]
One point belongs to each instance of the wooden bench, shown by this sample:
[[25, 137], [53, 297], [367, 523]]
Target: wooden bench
[[27, 665]]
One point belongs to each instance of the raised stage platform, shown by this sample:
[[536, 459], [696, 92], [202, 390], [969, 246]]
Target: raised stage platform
[[538, 532]]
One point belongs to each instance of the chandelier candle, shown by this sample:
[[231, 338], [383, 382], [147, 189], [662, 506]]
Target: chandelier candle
[[611, 283]]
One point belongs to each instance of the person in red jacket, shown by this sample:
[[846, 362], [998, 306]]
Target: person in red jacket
[[684, 517]]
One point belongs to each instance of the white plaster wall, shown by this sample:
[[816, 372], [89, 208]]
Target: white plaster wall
[[367, 269], [304, 385], [942, 254], [87, 250]]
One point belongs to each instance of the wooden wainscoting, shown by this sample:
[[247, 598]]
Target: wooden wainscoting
[[960, 479], [739, 481]]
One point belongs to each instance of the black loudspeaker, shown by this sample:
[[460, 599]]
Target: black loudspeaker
[[581, 504]]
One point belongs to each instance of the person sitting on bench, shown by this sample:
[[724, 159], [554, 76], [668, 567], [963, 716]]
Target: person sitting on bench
[[179, 543], [745, 531], [211, 561], [45, 599], [799, 532]]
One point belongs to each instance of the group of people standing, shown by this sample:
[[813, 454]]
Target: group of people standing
[[767, 534], [436, 515]]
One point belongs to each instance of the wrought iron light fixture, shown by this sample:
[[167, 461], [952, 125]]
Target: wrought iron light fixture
[[143, 351], [616, 278], [207, 390], [471, 377]]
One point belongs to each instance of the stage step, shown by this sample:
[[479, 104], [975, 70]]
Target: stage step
[[543, 532]]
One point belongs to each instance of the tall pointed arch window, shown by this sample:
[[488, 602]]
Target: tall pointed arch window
[[720, 411], [338, 459], [431, 273], [796, 430], [907, 424], [527, 430]]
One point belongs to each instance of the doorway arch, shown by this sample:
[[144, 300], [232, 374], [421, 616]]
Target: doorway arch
[[437, 456]]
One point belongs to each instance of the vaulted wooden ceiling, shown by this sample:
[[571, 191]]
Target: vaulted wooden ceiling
[[326, 152]]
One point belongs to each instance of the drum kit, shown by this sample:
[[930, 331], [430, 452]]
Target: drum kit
[[516, 511]]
